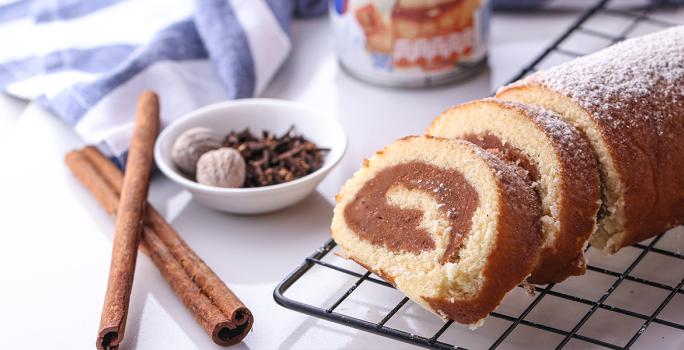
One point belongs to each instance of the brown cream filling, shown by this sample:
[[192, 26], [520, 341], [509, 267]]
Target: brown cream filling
[[373, 219], [506, 152]]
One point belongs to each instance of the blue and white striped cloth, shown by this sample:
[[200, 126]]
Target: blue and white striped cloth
[[87, 60]]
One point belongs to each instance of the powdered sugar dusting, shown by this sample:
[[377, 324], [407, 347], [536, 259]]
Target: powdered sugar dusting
[[623, 77], [565, 137], [633, 93], [516, 188]]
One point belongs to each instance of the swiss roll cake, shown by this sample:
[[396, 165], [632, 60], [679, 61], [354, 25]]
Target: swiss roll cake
[[448, 223]]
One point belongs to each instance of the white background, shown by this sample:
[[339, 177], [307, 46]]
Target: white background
[[55, 241]]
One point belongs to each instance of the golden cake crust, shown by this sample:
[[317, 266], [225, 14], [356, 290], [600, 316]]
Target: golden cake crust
[[650, 170], [635, 103], [511, 257], [579, 200], [516, 251], [579, 184]]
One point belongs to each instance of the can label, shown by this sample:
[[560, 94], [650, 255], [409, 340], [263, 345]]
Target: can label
[[405, 41]]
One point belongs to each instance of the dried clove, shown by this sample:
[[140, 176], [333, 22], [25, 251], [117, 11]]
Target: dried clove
[[273, 159]]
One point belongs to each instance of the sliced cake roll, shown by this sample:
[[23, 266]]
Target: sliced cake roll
[[557, 160], [449, 224], [628, 100]]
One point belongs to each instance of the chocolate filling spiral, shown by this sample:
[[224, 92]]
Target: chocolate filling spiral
[[375, 220]]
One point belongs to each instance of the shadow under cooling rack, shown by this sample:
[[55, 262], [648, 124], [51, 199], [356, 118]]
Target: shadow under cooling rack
[[633, 298]]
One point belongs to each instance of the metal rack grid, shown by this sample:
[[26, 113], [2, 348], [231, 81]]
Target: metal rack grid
[[332, 313]]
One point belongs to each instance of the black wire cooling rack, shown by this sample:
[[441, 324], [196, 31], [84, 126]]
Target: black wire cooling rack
[[634, 287]]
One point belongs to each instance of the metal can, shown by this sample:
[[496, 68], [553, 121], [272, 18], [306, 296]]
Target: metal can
[[411, 43]]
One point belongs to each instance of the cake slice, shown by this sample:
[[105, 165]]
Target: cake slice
[[449, 224], [628, 100], [558, 161]]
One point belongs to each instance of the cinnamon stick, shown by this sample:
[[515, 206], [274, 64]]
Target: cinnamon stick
[[223, 316], [129, 223], [198, 270]]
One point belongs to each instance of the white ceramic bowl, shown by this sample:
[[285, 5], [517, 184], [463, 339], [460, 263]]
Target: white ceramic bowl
[[258, 114]]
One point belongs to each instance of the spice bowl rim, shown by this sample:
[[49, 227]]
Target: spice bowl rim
[[332, 158]]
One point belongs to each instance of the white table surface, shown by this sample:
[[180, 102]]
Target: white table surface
[[55, 241]]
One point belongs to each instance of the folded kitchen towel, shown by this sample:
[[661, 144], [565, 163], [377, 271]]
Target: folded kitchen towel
[[87, 60]]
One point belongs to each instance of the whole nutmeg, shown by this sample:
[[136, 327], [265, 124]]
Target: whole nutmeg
[[191, 145], [223, 167]]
